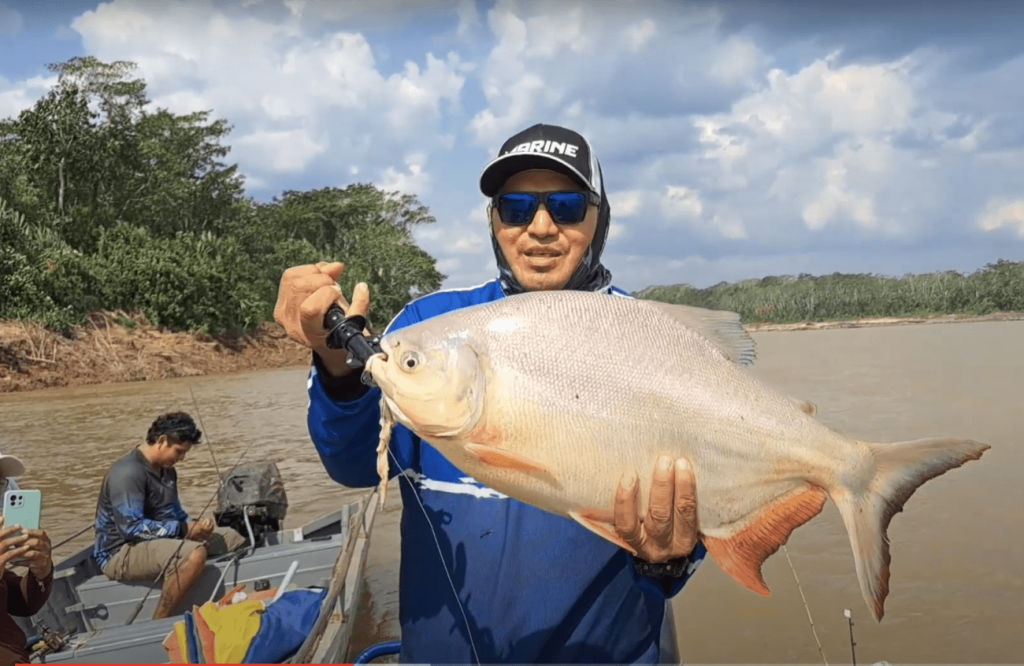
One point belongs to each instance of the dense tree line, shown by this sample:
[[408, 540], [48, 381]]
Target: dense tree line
[[998, 287], [106, 203]]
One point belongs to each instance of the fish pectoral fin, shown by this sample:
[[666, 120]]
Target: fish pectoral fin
[[721, 327], [503, 459], [742, 554], [599, 522]]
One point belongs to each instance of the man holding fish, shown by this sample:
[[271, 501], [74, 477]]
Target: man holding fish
[[531, 586]]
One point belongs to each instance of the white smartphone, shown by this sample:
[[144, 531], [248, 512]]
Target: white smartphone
[[22, 507]]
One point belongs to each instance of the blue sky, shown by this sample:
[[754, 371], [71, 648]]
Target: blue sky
[[738, 139]]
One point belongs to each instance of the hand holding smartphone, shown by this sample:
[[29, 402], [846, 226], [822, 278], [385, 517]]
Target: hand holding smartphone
[[22, 507]]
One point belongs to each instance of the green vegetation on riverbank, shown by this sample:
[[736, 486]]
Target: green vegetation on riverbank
[[998, 287], [106, 204]]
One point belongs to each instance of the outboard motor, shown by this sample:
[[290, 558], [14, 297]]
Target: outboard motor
[[252, 501]]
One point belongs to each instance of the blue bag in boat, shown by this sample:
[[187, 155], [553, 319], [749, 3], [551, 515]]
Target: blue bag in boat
[[285, 625]]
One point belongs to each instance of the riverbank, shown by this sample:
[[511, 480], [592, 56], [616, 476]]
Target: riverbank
[[764, 326], [115, 347]]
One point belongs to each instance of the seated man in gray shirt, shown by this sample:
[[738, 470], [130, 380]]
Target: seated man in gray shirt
[[142, 531]]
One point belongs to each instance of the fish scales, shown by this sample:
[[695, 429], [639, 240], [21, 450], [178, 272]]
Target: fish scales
[[676, 398], [550, 397]]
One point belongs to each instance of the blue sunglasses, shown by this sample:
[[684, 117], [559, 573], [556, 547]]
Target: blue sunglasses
[[518, 208]]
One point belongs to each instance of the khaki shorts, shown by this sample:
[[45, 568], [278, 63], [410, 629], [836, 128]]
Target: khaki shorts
[[146, 560]]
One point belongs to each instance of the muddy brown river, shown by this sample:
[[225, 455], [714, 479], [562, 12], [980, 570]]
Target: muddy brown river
[[957, 586]]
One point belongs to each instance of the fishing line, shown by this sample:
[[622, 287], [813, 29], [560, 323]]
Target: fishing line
[[440, 552], [203, 426], [807, 608]]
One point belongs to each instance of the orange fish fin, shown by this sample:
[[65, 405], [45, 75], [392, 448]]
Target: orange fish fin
[[503, 459], [742, 554], [599, 522]]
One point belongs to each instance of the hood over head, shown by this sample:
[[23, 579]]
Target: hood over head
[[567, 152]]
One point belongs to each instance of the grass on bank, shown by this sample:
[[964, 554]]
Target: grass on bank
[[998, 287]]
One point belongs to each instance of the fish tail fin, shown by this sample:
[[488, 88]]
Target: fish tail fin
[[900, 469]]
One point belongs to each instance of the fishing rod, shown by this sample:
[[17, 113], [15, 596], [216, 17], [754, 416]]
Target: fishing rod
[[849, 618], [195, 404], [163, 572], [71, 538]]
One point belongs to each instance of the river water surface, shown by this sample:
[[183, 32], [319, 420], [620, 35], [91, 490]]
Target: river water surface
[[957, 585]]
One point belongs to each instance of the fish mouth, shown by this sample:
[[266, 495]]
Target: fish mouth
[[374, 368]]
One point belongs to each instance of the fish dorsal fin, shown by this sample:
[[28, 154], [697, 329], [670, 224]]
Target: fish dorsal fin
[[721, 327]]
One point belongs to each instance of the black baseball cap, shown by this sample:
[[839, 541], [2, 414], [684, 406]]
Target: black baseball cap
[[543, 147]]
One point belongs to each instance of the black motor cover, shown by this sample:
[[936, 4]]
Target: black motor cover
[[257, 489]]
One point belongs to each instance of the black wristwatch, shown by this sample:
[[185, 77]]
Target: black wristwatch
[[672, 570]]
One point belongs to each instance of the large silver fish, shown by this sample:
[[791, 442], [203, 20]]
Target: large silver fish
[[550, 397]]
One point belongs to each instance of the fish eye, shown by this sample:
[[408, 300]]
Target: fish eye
[[411, 360]]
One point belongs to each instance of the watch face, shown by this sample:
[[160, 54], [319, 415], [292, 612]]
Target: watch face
[[671, 569]]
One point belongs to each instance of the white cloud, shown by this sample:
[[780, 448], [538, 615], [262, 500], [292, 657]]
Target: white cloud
[[729, 225], [570, 32], [291, 89], [449, 265], [556, 61], [295, 7], [287, 150], [736, 61], [820, 104], [471, 243], [681, 203], [617, 231], [836, 200], [461, 245], [16, 97], [252, 182], [417, 94], [640, 34], [414, 180], [971, 141], [521, 109], [825, 144], [1000, 213], [626, 203]]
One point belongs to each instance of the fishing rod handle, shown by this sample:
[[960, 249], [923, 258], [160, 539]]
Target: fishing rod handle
[[347, 333], [334, 321]]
